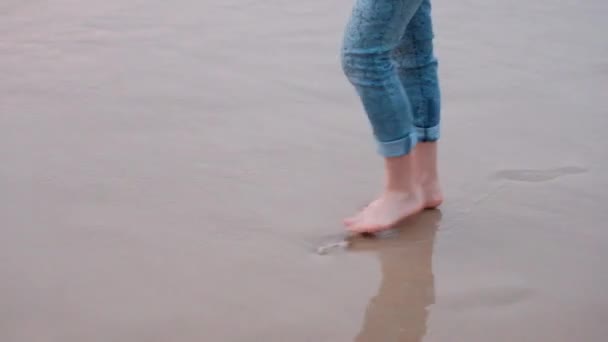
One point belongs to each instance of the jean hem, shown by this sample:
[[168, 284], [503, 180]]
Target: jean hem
[[428, 134], [397, 148]]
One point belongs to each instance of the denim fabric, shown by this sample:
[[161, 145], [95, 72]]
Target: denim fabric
[[388, 56]]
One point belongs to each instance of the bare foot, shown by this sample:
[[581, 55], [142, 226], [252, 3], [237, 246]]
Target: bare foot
[[385, 212], [412, 184], [401, 198]]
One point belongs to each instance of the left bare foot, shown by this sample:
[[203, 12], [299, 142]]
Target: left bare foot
[[385, 212]]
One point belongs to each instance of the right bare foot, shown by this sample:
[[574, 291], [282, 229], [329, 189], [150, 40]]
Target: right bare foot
[[412, 184], [385, 212], [401, 198]]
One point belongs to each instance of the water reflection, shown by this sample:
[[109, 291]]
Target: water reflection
[[399, 312]]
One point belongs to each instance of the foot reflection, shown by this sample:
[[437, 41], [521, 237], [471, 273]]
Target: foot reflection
[[399, 312]]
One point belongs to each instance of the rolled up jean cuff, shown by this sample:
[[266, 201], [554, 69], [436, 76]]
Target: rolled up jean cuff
[[398, 147], [428, 134]]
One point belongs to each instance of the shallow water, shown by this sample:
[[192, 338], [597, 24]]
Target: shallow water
[[169, 169]]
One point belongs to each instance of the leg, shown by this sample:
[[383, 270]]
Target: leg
[[417, 68], [375, 30], [373, 33]]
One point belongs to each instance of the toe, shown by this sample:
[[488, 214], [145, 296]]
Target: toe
[[353, 220], [367, 228], [364, 226], [349, 221]]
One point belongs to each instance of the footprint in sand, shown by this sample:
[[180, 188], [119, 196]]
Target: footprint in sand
[[534, 176]]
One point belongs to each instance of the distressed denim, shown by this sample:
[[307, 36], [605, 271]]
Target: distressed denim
[[388, 56]]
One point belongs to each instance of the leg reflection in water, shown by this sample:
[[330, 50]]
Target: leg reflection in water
[[399, 312]]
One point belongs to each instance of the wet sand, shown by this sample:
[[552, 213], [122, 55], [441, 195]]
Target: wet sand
[[168, 170]]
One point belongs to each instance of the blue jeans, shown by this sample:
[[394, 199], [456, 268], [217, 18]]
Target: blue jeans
[[388, 56]]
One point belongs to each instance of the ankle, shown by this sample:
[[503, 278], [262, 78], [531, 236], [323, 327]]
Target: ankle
[[426, 155], [404, 189], [428, 178], [401, 174], [414, 193]]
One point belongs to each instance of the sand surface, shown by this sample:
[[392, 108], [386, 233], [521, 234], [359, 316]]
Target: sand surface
[[168, 170]]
